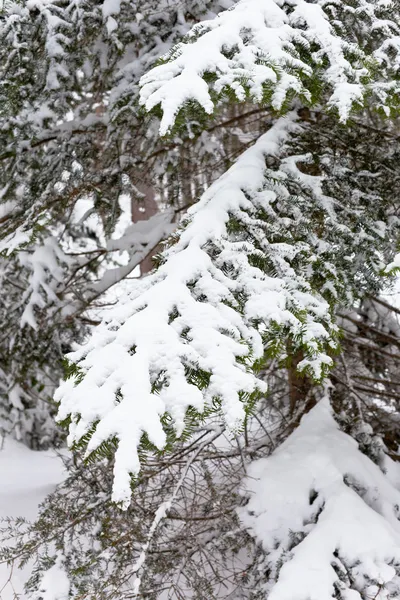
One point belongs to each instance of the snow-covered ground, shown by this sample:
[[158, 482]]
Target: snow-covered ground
[[26, 479]]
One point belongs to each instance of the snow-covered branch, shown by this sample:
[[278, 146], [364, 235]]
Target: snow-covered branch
[[190, 334], [271, 51], [139, 239]]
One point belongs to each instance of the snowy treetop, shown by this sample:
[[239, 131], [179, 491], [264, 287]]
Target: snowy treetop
[[271, 51]]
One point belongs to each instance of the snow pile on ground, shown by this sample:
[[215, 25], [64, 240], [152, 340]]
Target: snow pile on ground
[[326, 514], [27, 477]]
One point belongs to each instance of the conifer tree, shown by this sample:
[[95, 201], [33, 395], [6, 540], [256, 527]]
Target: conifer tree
[[240, 402], [267, 255], [75, 154]]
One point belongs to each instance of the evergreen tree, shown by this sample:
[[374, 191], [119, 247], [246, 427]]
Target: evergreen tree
[[241, 401], [76, 152]]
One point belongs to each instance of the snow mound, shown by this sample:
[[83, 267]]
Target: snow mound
[[326, 515], [27, 478]]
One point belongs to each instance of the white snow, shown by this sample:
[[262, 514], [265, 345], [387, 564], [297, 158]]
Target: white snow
[[27, 478], [394, 265], [54, 584], [258, 42], [43, 263], [307, 487]]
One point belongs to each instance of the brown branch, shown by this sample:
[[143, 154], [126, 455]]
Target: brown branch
[[384, 336], [376, 380], [385, 304], [51, 138]]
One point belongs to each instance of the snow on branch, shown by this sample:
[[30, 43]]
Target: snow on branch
[[394, 266], [43, 265], [139, 240], [331, 526], [192, 332], [271, 51]]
